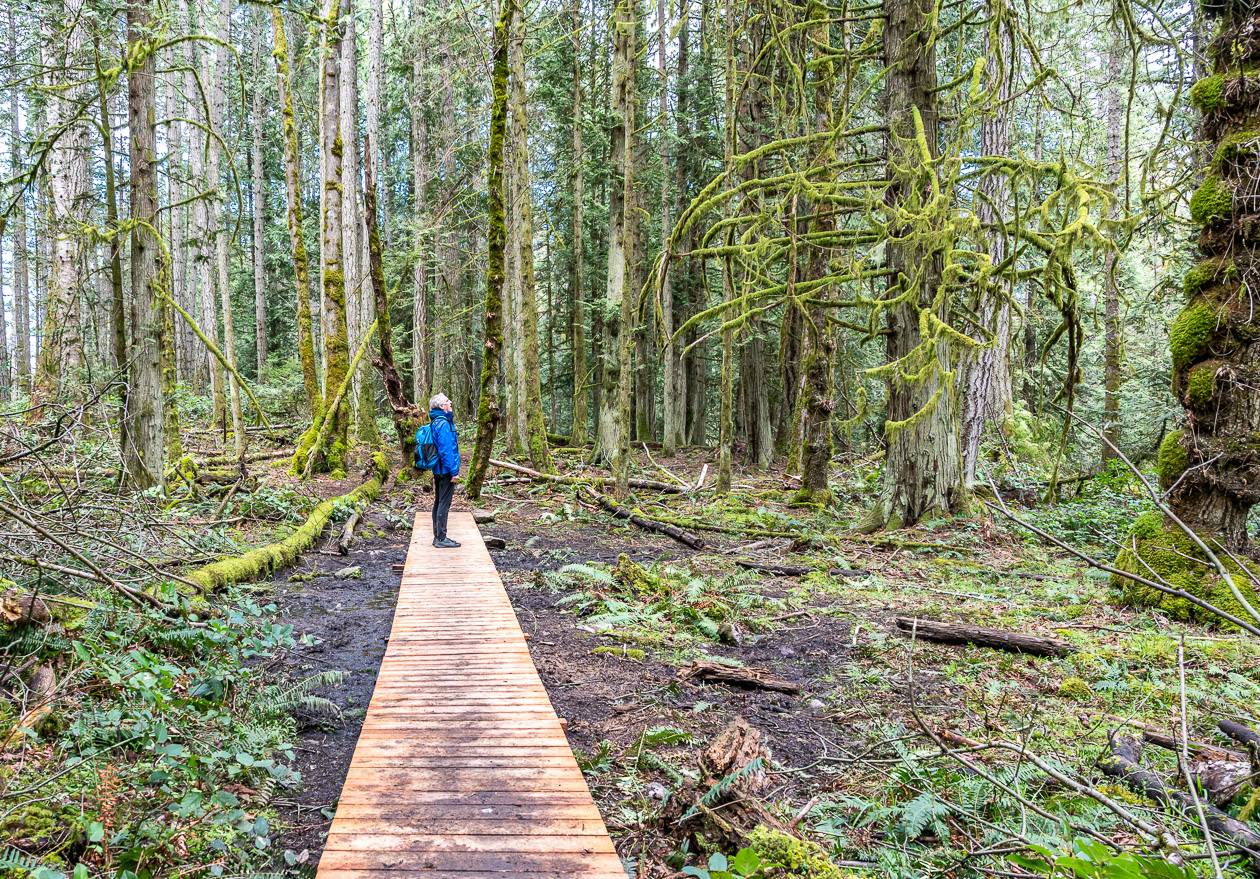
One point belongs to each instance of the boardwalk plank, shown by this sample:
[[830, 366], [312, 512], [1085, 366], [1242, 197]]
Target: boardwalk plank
[[462, 770]]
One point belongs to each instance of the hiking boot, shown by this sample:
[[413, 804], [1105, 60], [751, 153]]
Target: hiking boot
[[446, 543]]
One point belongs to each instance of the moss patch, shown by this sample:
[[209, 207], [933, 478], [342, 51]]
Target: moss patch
[[1208, 94], [1212, 202], [1236, 148], [1208, 273], [1190, 333], [1075, 689], [785, 856], [1201, 385], [1155, 546], [1172, 460]]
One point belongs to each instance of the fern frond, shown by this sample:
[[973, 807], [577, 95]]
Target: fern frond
[[715, 794]]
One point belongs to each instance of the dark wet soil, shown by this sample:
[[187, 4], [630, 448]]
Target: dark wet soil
[[340, 623], [608, 701]]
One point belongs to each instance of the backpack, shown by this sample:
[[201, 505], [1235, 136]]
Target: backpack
[[426, 448]]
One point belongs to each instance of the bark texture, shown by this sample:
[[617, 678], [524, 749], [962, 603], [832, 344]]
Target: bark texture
[[142, 458], [923, 469]]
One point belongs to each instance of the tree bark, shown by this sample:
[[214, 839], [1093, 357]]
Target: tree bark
[[329, 454], [619, 311], [258, 184], [531, 426], [820, 345], [218, 108], [674, 403], [488, 407], [420, 375], [293, 194], [142, 457], [986, 374], [61, 351], [1213, 466], [577, 244], [21, 265], [1113, 332], [923, 469]]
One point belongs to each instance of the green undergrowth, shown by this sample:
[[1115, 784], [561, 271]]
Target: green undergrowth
[[1159, 550], [663, 605], [167, 746]]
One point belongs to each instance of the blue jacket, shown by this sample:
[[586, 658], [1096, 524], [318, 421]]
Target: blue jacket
[[447, 441]]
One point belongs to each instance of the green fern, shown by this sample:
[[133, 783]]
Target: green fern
[[719, 790], [280, 700]]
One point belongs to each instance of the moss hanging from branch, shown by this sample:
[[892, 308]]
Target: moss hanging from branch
[[265, 559]]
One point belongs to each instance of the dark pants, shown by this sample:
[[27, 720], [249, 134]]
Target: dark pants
[[443, 491]]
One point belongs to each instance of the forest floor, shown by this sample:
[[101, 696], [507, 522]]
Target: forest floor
[[849, 762]]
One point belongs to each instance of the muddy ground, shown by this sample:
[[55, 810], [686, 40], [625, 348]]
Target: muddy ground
[[342, 622]]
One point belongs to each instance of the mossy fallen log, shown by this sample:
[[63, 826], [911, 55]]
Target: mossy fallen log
[[263, 560]]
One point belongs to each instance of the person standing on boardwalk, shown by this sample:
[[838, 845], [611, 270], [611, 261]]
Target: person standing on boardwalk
[[439, 450]]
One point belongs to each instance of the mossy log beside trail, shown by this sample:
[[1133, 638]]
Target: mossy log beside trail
[[265, 559]]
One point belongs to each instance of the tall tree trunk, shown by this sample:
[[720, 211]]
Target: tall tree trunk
[[488, 406], [726, 386], [1113, 331], [619, 302], [118, 300], [330, 457], [218, 108], [674, 399], [532, 427], [422, 217], [293, 195], [923, 469], [21, 267], [1211, 466], [258, 184], [203, 229], [61, 352], [577, 277], [985, 387], [142, 456]]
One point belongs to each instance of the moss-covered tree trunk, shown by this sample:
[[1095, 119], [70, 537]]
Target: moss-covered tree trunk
[[674, 375], [820, 345], [421, 214], [488, 409], [329, 455], [577, 274], [619, 302], [293, 193], [531, 426], [142, 457], [923, 467], [1212, 467]]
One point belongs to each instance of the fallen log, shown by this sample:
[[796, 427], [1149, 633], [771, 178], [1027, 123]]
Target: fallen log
[[794, 570], [1156, 736], [263, 560], [684, 537], [646, 484], [999, 639], [747, 678], [347, 534], [1124, 764], [1243, 735]]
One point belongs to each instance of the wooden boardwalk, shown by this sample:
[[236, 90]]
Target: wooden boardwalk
[[462, 769]]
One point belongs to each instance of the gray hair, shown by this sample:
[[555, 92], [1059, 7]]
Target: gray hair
[[437, 400]]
